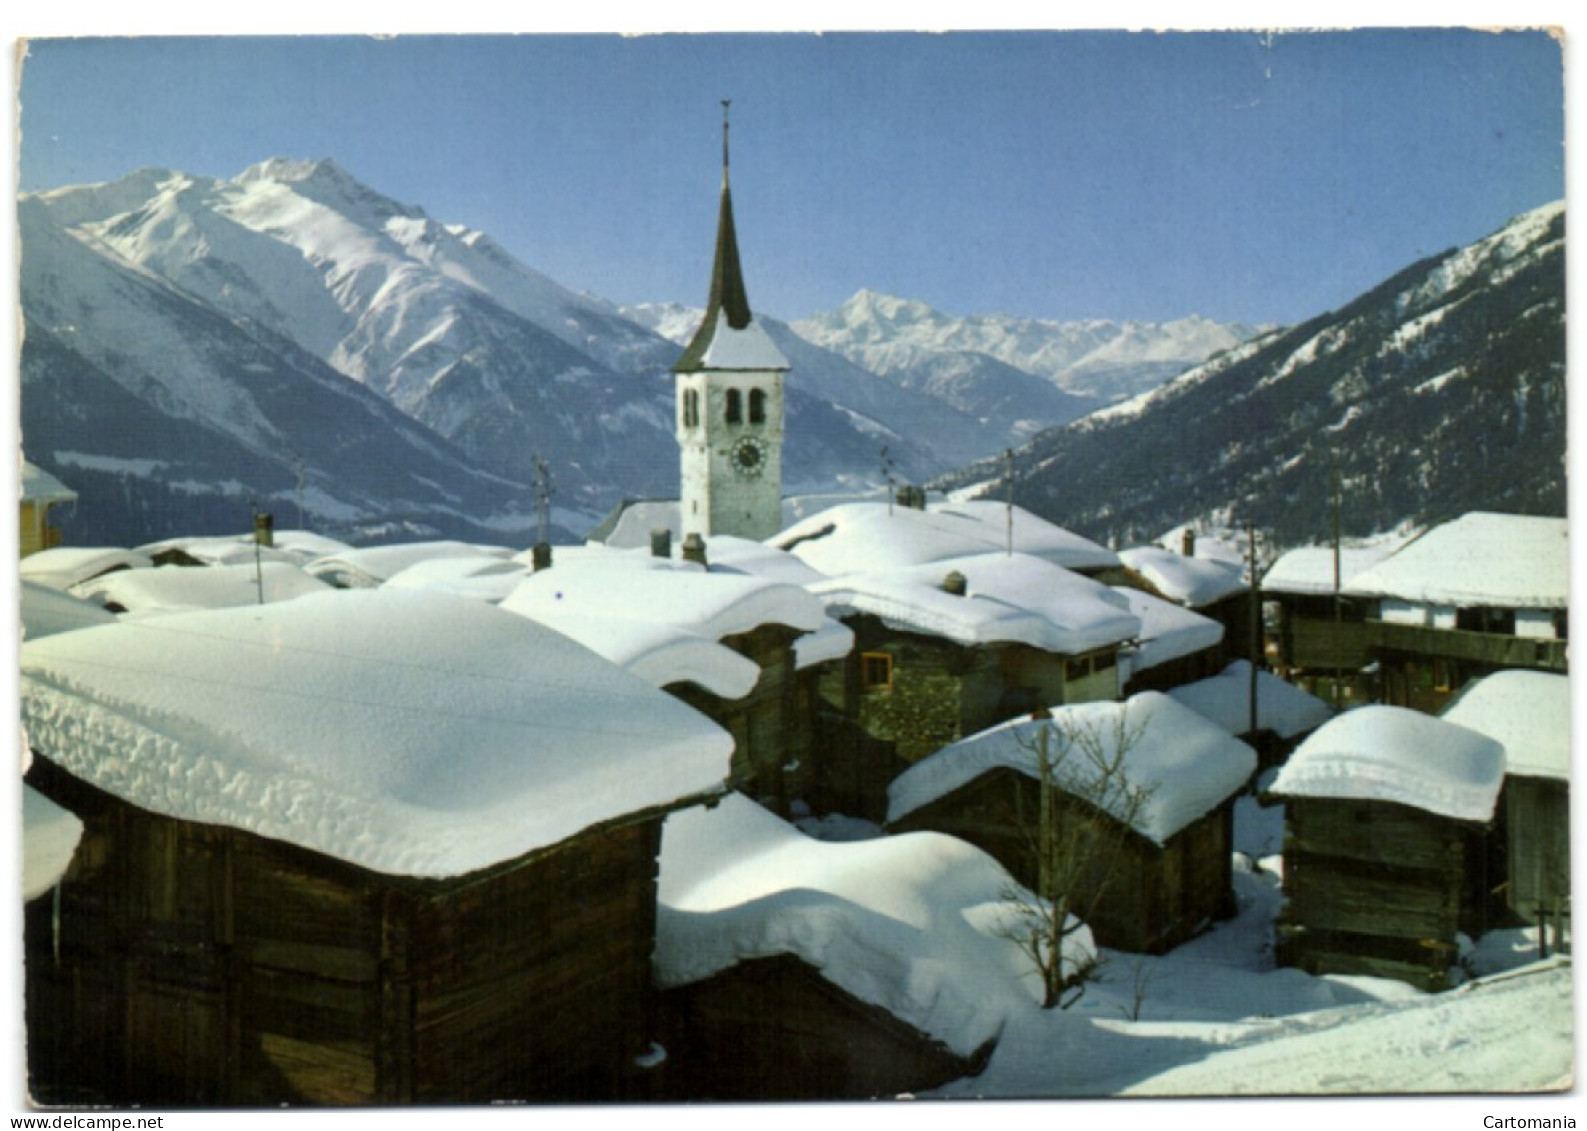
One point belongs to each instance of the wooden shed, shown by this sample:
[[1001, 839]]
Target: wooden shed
[[1386, 820], [433, 881], [1149, 879], [796, 969], [1528, 713]]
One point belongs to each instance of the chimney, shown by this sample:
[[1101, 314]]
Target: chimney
[[1187, 542], [694, 548], [956, 584], [661, 542], [1040, 714], [541, 556], [264, 529]]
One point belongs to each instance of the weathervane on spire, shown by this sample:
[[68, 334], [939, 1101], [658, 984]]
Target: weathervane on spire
[[726, 102]]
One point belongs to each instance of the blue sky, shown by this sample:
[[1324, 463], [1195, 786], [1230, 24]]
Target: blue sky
[[1052, 174]]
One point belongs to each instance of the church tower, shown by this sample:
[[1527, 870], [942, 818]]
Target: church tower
[[730, 404]]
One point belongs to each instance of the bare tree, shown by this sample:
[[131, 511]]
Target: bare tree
[[1085, 809]]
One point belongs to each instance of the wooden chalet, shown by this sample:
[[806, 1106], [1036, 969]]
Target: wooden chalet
[[1386, 850], [1150, 881], [1175, 646], [949, 648], [1318, 637], [41, 494], [1484, 593], [435, 882], [1528, 713]]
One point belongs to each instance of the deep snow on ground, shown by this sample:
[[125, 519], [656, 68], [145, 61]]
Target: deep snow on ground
[[1217, 1017]]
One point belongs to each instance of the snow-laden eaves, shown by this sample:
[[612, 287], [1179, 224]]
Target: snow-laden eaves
[[1008, 599], [1502, 560], [1309, 570], [1528, 713], [39, 486], [1394, 754], [416, 734], [369, 566], [164, 588], [49, 840], [1225, 698], [46, 611], [1193, 582], [62, 567], [660, 654], [1168, 631], [870, 537], [908, 923], [1188, 764], [484, 578], [641, 588]]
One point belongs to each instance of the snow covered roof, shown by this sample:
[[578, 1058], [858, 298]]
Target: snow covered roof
[[39, 486], [832, 641], [1528, 713], [483, 577], [1503, 560], [659, 653], [222, 550], [369, 566], [49, 840], [729, 554], [647, 589], [1195, 582], [870, 537], [733, 349], [46, 611], [163, 588], [1008, 599], [1168, 631], [1309, 570], [61, 567], [1189, 764], [1381, 753], [908, 923], [1281, 707], [412, 733]]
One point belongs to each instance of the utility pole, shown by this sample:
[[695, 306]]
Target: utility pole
[[1338, 502], [1256, 616], [1008, 481], [541, 556], [887, 474]]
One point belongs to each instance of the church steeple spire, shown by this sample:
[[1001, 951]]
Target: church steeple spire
[[728, 296]]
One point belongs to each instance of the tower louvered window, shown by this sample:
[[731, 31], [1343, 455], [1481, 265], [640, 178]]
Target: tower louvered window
[[735, 407], [757, 406]]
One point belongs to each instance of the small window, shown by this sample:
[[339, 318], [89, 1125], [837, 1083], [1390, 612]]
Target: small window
[[757, 406], [876, 670], [691, 408], [1077, 668], [735, 407]]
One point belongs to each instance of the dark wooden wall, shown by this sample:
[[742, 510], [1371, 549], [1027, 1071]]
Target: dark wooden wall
[[1153, 897], [191, 965], [1373, 887], [774, 1029]]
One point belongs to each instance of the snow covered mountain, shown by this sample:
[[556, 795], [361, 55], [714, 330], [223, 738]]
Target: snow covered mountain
[[163, 414], [923, 433], [491, 362], [978, 359], [1439, 392]]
